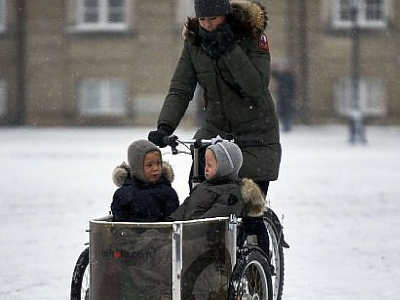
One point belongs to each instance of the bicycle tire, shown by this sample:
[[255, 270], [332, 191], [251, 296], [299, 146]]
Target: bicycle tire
[[251, 277], [277, 259], [80, 277], [206, 278]]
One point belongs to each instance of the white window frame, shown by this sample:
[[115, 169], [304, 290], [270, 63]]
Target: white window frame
[[341, 18], [102, 10], [2, 15], [372, 99], [103, 97], [3, 97]]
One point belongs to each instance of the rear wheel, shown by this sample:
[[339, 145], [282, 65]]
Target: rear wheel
[[80, 277], [251, 278]]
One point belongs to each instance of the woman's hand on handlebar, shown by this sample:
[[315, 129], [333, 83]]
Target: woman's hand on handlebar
[[160, 136]]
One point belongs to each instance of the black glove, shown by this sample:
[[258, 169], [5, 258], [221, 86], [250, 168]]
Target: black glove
[[225, 39], [160, 136]]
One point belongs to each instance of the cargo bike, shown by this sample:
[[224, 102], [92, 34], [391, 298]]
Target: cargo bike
[[205, 259]]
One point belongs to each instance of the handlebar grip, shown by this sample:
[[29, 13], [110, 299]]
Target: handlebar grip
[[165, 140], [172, 142]]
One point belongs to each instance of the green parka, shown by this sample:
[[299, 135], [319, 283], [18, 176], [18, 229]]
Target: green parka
[[238, 103]]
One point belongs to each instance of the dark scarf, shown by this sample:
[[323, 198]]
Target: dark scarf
[[209, 41]]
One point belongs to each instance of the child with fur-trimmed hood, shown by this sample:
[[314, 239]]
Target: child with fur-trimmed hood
[[145, 193], [222, 193]]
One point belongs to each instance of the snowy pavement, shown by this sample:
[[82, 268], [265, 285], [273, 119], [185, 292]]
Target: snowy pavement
[[341, 207]]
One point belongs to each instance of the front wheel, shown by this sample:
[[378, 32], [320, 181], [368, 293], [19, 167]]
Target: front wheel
[[80, 277], [251, 278], [206, 278]]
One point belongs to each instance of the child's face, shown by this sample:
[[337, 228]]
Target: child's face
[[211, 164], [152, 166]]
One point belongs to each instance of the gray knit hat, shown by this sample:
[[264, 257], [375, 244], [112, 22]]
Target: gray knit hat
[[229, 160], [136, 153], [212, 8]]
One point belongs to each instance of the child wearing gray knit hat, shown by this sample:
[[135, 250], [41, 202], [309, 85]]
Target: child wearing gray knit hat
[[137, 152], [229, 160], [145, 193], [223, 192]]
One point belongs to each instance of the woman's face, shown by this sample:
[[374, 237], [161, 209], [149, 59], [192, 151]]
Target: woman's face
[[152, 166], [211, 164], [211, 23]]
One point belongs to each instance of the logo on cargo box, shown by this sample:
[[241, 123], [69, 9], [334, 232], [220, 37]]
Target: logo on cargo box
[[120, 254]]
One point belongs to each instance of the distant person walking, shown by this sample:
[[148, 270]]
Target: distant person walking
[[286, 87]]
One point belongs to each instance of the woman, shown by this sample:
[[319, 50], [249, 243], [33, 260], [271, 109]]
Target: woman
[[227, 53]]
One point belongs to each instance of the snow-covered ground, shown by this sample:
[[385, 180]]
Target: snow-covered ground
[[341, 207]]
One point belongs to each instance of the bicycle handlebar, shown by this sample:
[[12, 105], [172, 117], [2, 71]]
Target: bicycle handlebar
[[173, 141]]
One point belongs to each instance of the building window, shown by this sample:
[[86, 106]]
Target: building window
[[104, 15], [3, 98], [102, 97], [369, 13], [2, 15], [372, 100]]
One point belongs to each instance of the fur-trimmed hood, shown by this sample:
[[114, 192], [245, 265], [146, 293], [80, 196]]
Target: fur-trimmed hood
[[123, 171], [253, 199], [247, 18]]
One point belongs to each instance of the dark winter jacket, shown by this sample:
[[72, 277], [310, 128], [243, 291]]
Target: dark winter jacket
[[138, 201], [238, 103], [220, 199]]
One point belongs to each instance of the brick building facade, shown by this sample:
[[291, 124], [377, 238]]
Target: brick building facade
[[109, 62]]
